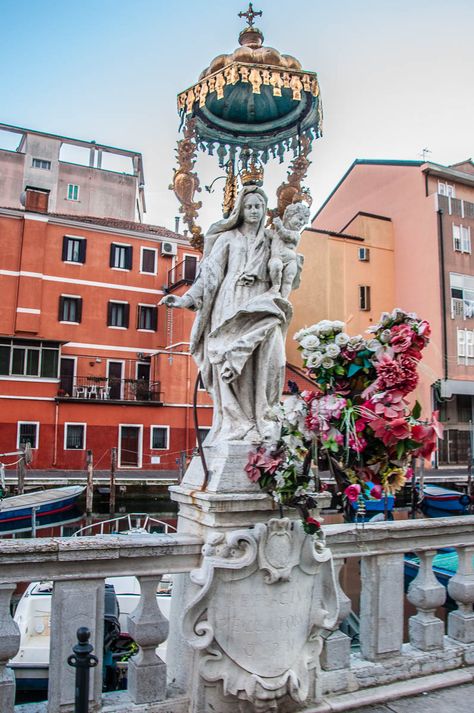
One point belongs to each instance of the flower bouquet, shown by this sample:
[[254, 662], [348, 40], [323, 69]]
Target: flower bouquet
[[356, 421]]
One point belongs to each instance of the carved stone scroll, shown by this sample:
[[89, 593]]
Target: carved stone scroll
[[265, 595]]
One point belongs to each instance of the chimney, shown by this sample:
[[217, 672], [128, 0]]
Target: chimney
[[36, 199], [176, 224]]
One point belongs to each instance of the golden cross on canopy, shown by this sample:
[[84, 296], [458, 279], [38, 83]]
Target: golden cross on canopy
[[251, 14]]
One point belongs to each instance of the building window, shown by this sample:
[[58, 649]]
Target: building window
[[364, 297], [70, 309], [118, 314], [364, 254], [27, 433], [21, 357], [465, 342], [462, 238], [41, 163], [72, 192], [147, 317], [446, 189], [148, 261], [121, 256], [74, 249], [159, 437], [74, 436]]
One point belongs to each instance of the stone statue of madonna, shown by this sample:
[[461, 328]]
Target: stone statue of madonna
[[239, 332]]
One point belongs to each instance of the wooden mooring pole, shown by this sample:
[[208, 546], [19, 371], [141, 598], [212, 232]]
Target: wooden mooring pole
[[113, 466], [90, 482]]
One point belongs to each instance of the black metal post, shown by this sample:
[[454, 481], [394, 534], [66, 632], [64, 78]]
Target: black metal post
[[82, 660]]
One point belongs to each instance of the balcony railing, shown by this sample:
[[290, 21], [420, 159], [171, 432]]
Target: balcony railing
[[101, 389], [456, 206], [183, 273], [387, 654]]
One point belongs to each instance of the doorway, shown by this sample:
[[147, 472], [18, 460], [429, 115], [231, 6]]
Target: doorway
[[115, 379], [66, 375], [130, 446]]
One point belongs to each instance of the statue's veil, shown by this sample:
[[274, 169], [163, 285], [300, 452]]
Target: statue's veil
[[235, 219]]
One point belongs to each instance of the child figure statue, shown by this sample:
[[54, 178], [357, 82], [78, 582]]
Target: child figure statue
[[285, 265]]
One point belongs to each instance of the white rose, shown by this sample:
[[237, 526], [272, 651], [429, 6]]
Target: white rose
[[385, 318], [338, 326], [332, 350], [310, 342], [314, 329], [299, 335], [385, 336], [342, 339], [397, 313], [373, 345], [325, 327], [314, 360], [327, 363], [356, 342]]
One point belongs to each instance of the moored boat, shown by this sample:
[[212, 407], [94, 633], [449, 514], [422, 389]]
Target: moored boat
[[21, 512]]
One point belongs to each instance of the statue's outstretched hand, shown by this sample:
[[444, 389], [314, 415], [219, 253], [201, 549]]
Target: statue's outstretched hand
[[171, 301]]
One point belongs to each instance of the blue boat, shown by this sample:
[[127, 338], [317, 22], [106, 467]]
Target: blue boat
[[443, 502], [374, 508], [17, 513]]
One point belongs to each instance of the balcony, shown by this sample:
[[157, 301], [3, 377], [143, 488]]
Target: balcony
[[97, 389], [431, 645], [183, 273], [455, 206]]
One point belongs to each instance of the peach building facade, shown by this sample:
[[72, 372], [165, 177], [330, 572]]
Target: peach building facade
[[398, 234]]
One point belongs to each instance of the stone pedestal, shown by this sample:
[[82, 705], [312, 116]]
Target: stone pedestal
[[214, 511]]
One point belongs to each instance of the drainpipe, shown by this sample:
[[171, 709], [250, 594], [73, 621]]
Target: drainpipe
[[443, 292], [56, 426]]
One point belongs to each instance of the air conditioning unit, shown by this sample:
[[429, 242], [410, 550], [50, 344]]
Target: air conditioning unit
[[364, 254], [169, 249]]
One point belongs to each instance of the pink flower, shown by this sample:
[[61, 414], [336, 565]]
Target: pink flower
[[389, 371], [255, 462], [401, 337], [376, 492], [382, 430], [400, 428], [272, 464], [409, 474], [352, 492], [357, 443], [438, 427]]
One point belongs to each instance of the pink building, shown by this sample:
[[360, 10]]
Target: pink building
[[431, 211]]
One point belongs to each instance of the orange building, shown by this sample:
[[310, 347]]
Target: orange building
[[398, 234], [87, 358]]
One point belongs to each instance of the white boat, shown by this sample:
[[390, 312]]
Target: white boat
[[33, 616]]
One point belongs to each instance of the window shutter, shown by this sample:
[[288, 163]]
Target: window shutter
[[470, 344], [112, 255], [109, 313], [154, 318], [129, 258], [79, 310], [61, 309], [461, 342], [82, 251], [65, 241], [126, 315]]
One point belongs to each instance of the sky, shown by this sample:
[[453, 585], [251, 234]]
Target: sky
[[395, 77]]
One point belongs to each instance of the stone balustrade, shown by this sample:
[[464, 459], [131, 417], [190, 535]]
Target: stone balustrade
[[78, 568]]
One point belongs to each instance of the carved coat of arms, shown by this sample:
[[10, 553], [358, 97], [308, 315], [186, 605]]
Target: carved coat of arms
[[265, 594]]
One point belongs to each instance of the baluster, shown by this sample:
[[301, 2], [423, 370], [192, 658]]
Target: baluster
[[381, 606], [426, 594], [149, 628], [9, 645], [336, 651], [74, 604], [461, 589]]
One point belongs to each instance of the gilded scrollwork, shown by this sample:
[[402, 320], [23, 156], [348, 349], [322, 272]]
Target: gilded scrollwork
[[186, 182], [292, 190]]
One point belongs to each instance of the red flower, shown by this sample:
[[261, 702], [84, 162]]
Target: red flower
[[400, 428], [352, 492], [381, 429], [311, 521], [376, 492], [389, 372], [409, 474]]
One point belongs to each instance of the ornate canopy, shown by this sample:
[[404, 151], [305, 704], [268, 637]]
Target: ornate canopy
[[247, 107]]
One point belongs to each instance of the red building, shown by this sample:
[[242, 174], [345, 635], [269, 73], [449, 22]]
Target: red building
[[87, 358]]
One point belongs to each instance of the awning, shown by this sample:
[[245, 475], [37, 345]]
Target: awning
[[449, 387]]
